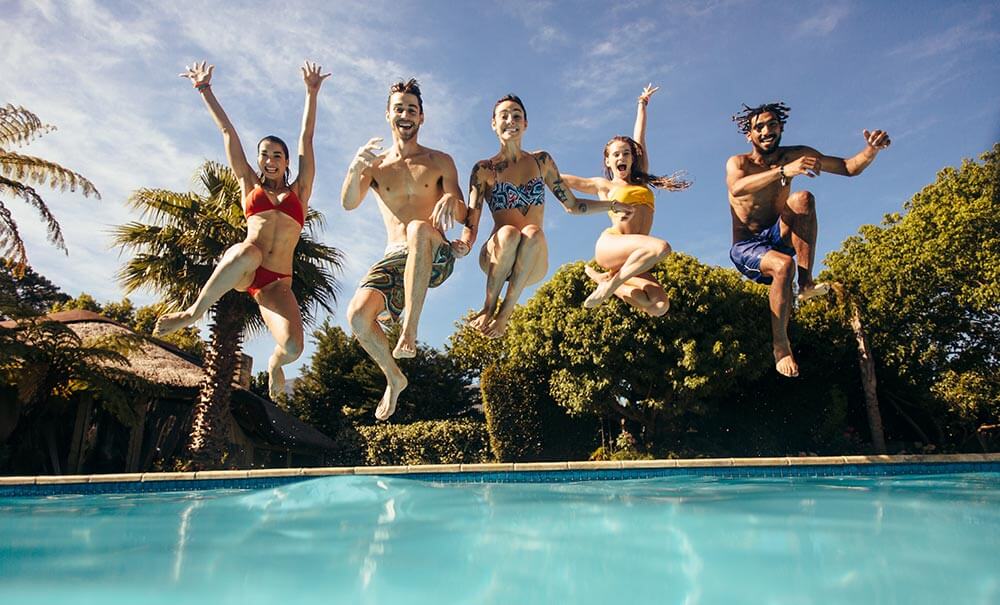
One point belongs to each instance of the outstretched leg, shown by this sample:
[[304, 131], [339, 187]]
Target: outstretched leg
[[362, 314], [422, 239], [497, 261], [781, 269], [628, 256], [800, 228], [530, 266], [234, 271], [281, 315]]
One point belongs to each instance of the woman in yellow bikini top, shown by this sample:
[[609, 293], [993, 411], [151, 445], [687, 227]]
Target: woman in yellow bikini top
[[626, 250]]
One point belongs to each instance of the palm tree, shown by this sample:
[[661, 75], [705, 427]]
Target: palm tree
[[175, 255], [18, 126]]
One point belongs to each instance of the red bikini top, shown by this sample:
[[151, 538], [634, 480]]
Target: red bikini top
[[257, 201]]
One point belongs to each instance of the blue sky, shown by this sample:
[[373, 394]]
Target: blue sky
[[106, 74]]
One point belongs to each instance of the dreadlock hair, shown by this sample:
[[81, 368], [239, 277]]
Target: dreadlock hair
[[410, 87], [744, 119], [511, 97], [273, 139], [674, 182]]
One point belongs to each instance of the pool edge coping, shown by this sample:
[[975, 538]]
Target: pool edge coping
[[500, 467]]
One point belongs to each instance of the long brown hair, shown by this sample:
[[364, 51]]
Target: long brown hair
[[674, 182]]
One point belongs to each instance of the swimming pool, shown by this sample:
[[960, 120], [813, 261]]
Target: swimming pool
[[694, 536]]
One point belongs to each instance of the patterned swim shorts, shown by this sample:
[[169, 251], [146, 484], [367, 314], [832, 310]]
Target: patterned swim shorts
[[386, 277]]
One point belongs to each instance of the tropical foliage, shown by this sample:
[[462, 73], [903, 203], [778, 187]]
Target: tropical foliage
[[18, 172]]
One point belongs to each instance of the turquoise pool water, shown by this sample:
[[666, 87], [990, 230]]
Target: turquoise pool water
[[364, 539]]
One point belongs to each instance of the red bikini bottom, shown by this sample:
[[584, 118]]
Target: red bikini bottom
[[261, 278]]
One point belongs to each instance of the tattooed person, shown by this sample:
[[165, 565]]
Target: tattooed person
[[420, 199], [512, 183], [771, 224]]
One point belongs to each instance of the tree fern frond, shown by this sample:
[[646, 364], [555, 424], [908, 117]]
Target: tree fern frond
[[11, 244], [18, 126], [43, 172], [31, 196]]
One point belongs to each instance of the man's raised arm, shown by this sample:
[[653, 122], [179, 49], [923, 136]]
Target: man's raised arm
[[875, 142]]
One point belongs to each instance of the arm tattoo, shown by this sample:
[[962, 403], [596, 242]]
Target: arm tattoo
[[559, 192]]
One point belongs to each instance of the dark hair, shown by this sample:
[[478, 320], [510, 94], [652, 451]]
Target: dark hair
[[744, 119], [273, 139], [410, 87], [636, 176], [510, 97]]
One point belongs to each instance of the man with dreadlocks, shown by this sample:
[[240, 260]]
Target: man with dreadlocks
[[771, 225]]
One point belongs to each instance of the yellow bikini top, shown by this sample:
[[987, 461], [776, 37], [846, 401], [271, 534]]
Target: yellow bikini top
[[633, 195]]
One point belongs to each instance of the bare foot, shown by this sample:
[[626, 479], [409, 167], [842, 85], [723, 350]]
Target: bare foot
[[605, 288], [812, 290], [171, 322], [406, 347], [275, 382], [784, 362], [387, 407], [480, 321], [596, 275], [498, 326]]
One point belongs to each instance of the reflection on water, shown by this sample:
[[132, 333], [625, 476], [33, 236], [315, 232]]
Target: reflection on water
[[383, 539]]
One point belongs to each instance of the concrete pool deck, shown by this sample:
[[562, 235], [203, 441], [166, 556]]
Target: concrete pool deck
[[516, 467]]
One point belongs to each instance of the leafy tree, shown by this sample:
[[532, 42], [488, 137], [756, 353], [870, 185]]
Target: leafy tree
[[175, 254], [342, 383], [19, 172], [27, 289], [928, 283], [614, 361]]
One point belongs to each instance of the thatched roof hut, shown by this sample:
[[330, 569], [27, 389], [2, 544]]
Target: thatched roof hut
[[262, 433]]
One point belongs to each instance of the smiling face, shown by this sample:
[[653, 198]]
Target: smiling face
[[765, 133], [509, 121], [618, 159], [404, 115], [272, 159]]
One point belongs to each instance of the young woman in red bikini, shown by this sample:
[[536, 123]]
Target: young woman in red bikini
[[261, 265]]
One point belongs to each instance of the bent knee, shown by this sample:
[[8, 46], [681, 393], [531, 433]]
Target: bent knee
[[783, 266], [293, 347], [246, 253], [661, 250], [508, 234], [532, 232], [802, 202], [419, 230]]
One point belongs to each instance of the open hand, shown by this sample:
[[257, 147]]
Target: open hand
[[312, 77], [647, 92], [877, 140], [445, 211], [367, 156], [200, 74]]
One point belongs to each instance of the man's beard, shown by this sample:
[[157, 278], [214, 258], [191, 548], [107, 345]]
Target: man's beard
[[774, 146]]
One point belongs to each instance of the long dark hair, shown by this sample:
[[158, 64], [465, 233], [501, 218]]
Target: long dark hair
[[674, 182], [273, 139]]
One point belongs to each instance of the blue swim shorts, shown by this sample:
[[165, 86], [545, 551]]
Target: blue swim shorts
[[746, 254]]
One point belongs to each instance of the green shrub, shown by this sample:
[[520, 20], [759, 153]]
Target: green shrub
[[510, 404], [426, 442]]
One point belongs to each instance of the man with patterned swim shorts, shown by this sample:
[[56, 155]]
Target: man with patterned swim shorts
[[420, 199], [771, 225]]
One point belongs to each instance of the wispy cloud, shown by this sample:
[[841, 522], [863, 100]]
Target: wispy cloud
[[826, 19], [956, 38]]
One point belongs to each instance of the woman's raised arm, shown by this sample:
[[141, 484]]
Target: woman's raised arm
[[307, 160]]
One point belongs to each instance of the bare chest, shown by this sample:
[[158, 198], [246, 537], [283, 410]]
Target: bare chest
[[408, 178]]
